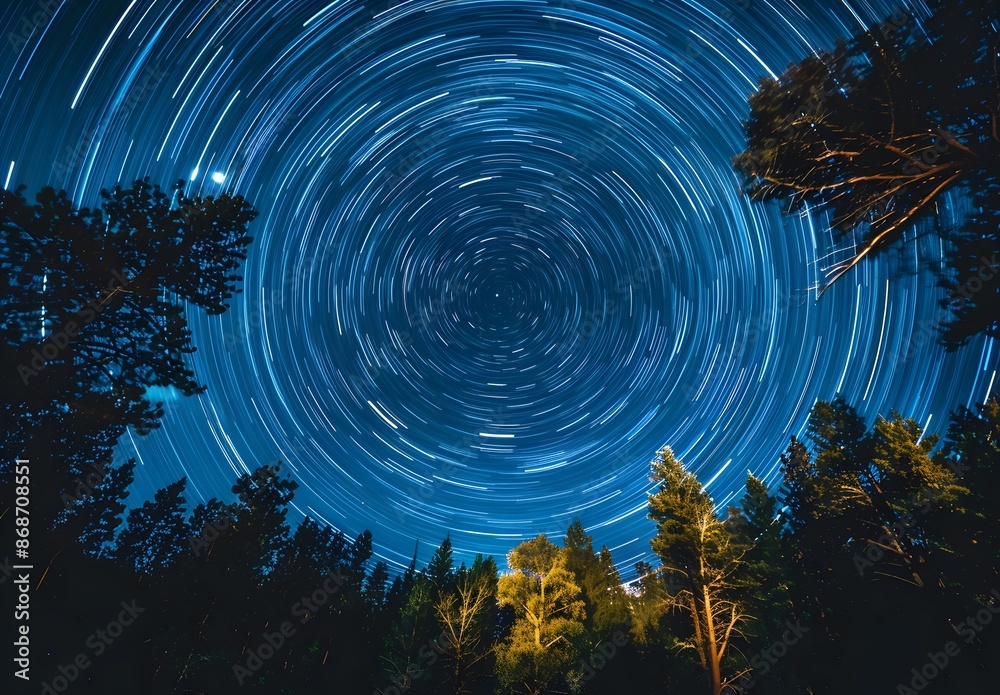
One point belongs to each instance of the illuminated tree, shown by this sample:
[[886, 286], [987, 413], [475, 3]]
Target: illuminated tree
[[541, 590], [466, 615], [703, 559]]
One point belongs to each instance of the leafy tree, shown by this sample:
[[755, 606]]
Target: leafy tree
[[94, 518], [109, 289], [466, 616], [869, 550], [972, 452], [321, 586], [95, 304], [543, 642], [874, 479], [218, 599]]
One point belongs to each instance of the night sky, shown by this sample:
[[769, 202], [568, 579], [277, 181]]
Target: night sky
[[502, 257]]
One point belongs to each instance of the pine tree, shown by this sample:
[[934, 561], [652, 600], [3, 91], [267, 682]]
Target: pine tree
[[701, 555], [155, 534], [409, 652], [95, 518], [114, 283], [604, 598], [95, 305], [972, 452], [219, 598], [376, 591], [441, 569]]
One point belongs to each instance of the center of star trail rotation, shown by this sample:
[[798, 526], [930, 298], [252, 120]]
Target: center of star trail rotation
[[502, 257]]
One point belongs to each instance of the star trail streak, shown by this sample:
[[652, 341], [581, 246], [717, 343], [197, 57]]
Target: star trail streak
[[502, 257]]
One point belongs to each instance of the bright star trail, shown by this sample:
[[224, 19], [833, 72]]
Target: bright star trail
[[502, 257]]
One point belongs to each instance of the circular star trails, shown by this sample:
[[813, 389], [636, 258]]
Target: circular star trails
[[502, 257]]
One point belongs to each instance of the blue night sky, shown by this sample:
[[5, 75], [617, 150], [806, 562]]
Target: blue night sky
[[501, 259]]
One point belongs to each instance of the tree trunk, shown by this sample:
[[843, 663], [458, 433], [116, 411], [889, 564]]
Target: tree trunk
[[711, 646]]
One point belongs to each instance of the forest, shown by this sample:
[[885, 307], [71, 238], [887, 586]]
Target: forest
[[870, 565]]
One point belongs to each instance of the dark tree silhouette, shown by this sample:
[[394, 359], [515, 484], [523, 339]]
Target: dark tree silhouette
[[878, 130], [94, 314], [880, 541]]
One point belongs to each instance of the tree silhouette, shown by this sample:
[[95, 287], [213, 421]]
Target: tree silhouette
[[94, 304], [877, 131], [409, 650], [155, 534], [95, 299], [441, 569], [879, 540]]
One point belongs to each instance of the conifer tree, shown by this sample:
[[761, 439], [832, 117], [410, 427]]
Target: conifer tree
[[702, 556], [155, 534]]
